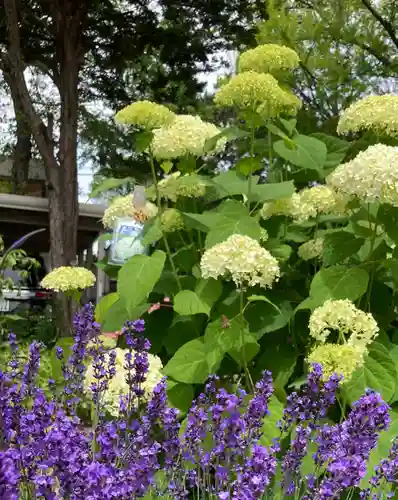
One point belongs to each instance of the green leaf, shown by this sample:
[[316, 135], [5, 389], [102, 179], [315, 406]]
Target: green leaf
[[264, 318], [338, 282], [226, 227], [183, 329], [270, 429], [187, 164], [277, 131], [142, 140], [388, 216], [138, 277], [289, 125], [109, 184], [187, 303], [262, 298], [166, 166], [280, 358], [116, 316], [378, 373], [337, 149], [340, 245], [103, 306], [209, 291], [232, 208], [110, 270], [230, 183], [180, 395], [233, 338], [308, 152], [270, 192], [152, 232], [248, 165], [204, 222], [189, 364], [230, 134]]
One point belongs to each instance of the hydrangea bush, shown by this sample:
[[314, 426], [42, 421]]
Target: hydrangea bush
[[283, 259], [230, 445]]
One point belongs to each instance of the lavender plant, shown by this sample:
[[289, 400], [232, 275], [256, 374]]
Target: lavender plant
[[147, 450]]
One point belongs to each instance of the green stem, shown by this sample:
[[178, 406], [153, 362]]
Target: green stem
[[270, 156], [159, 205], [249, 381], [372, 270], [250, 179]]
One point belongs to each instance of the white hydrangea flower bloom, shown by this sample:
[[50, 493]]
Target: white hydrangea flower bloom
[[316, 200], [123, 206], [242, 260], [118, 385], [311, 249], [372, 176], [186, 135], [376, 112], [344, 317]]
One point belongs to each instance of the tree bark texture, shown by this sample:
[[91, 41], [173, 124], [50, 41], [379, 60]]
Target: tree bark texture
[[61, 169], [23, 148]]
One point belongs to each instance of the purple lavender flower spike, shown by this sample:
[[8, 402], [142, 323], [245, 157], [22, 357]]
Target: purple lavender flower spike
[[9, 478], [312, 403], [255, 476], [346, 447], [292, 460], [258, 406]]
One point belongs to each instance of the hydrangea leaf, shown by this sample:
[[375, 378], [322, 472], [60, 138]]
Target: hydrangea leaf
[[307, 152], [340, 245], [337, 149], [182, 330], [232, 337], [209, 291], [378, 373], [248, 165], [188, 302], [138, 277], [272, 191], [229, 226], [180, 395], [117, 315], [338, 282], [103, 306], [264, 318], [189, 364]]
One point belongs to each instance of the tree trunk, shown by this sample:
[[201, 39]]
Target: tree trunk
[[23, 148], [61, 172]]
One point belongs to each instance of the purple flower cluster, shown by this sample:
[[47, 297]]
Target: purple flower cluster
[[221, 452]]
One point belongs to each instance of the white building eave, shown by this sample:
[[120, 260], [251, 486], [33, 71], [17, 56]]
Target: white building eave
[[35, 204]]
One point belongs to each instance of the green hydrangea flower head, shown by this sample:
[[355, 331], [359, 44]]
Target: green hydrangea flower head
[[268, 58], [171, 220], [145, 114], [258, 92], [68, 279]]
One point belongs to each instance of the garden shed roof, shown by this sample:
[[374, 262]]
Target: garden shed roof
[[21, 214]]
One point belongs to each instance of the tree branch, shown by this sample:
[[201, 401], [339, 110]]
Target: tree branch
[[389, 28], [15, 65]]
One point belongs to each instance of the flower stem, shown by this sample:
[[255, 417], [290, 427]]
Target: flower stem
[[166, 243], [250, 178]]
